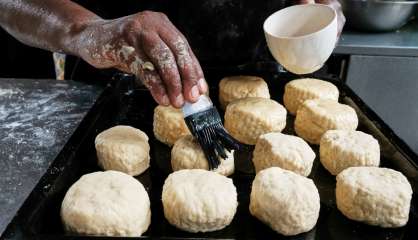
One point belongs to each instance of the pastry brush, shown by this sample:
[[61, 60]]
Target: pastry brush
[[204, 122]]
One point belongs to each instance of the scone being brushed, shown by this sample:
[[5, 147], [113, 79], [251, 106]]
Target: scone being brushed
[[248, 118], [376, 196], [317, 116], [107, 203], [169, 125], [123, 148], [341, 149], [287, 202], [237, 87], [285, 151], [187, 154], [197, 200], [298, 91]]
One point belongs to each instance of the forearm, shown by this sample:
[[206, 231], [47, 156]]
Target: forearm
[[54, 25]]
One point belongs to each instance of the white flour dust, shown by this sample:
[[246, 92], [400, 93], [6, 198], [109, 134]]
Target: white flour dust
[[164, 58], [183, 58], [126, 51]]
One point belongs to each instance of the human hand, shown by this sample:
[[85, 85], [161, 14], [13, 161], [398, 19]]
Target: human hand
[[148, 45], [335, 5]]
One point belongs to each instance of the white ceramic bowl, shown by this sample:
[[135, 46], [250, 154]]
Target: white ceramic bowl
[[302, 37]]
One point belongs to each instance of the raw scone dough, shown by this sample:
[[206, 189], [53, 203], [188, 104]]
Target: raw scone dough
[[187, 154], [300, 90], [169, 124], [284, 151], [123, 148], [237, 87], [341, 149], [106, 203], [376, 196], [317, 116], [248, 118], [197, 200], [287, 202]]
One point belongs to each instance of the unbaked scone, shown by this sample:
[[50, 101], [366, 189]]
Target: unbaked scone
[[248, 118], [169, 124], [285, 151], [341, 149], [286, 201], [375, 196], [237, 87], [315, 117], [197, 200], [187, 154], [300, 90], [123, 148], [109, 203]]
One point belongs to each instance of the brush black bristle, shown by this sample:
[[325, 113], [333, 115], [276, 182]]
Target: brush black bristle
[[207, 128]]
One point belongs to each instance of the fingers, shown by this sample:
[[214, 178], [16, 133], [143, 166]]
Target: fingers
[[152, 81], [201, 83], [340, 15], [150, 78], [164, 61], [305, 1], [185, 62]]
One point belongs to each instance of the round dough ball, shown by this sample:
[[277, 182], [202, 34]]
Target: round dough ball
[[169, 124], [123, 148], [287, 202], [248, 118], [285, 151], [237, 87], [341, 149], [197, 200], [375, 196], [187, 154], [317, 116], [300, 90], [107, 203]]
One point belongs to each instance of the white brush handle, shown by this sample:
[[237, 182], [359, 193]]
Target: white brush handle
[[204, 103]]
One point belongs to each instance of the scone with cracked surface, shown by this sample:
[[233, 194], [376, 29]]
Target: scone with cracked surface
[[300, 90], [237, 87], [123, 148], [187, 154], [317, 116], [169, 124], [375, 196], [109, 203], [341, 149], [286, 201], [248, 118], [197, 200], [285, 151]]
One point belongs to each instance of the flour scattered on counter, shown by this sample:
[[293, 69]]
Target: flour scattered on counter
[[8, 92], [37, 117], [45, 137]]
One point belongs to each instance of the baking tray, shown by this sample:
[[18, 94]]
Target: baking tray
[[123, 103]]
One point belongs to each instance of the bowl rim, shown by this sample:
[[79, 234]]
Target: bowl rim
[[303, 36]]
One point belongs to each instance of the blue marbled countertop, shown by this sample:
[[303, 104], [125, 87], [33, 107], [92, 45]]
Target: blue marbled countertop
[[37, 117]]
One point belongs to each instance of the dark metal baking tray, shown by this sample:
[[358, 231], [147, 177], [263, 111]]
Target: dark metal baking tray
[[122, 103]]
